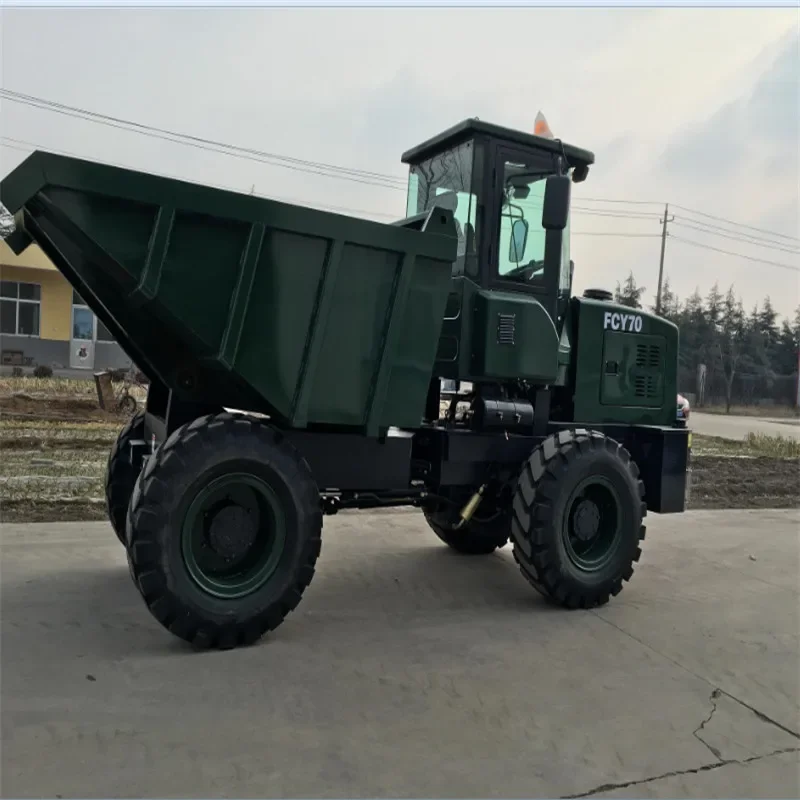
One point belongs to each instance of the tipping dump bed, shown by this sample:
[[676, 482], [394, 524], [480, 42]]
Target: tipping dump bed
[[230, 299]]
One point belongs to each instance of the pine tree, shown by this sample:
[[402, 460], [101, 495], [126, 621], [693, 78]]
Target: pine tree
[[756, 352], [787, 347], [730, 341], [768, 327], [670, 304], [629, 294], [714, 302]]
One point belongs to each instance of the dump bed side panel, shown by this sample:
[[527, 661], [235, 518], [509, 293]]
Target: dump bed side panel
[[235, 300]]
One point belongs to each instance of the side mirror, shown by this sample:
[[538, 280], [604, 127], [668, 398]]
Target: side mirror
[[556, 203], [519, 238]]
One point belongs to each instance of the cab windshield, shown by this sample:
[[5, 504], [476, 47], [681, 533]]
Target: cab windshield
[[449, 180]]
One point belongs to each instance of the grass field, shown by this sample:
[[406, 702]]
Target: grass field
[[55, 442], [753, 445]]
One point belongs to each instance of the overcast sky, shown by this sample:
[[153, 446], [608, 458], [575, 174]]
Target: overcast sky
[[700, 108]]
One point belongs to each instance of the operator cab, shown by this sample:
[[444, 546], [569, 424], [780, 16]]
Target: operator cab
[[509, 193]]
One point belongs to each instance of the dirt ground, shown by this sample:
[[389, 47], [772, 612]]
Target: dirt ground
[[55, 449], [755, 482]]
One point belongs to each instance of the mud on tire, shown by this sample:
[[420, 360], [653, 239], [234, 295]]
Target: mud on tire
[[263, 487], [574, 481], [121, 474]]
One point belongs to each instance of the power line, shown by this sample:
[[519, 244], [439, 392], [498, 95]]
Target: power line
[[30, 99], [722, 229], [754, 242], [381, 180], [578, 209], [619, 214], [732, 253], [629, 202], [366, 177], [17, 144], [222, 148], [294, 200], [622, 234], [737, 224]]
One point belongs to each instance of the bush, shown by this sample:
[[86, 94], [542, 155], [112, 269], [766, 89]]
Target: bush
[[43, 371]]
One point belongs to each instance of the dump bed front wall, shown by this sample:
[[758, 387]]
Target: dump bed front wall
[[313, 317]]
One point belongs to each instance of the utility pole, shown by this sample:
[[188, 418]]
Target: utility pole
[[663, 222]]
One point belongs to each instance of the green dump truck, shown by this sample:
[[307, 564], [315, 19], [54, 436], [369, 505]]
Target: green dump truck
[[331, 335]]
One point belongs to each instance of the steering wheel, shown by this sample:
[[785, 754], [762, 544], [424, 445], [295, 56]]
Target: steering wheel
[[533, 267]]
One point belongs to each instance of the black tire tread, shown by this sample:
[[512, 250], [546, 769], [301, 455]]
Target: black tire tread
[[144, 549], [532, 512], [121, 475]]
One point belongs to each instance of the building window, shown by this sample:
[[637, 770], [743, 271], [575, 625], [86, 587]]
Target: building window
[[85, 316], [20, 308]]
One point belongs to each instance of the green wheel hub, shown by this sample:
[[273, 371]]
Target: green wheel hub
[[233, 535], [592, 526]]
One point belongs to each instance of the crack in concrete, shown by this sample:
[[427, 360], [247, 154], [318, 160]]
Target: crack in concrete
[[607, 787], [760, 714], [696, 732]]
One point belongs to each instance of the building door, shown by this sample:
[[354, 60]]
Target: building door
[[84, 335]]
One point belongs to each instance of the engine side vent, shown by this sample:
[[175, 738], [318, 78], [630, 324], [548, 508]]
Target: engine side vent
[[506, 328], [648, 355], [646, 387]]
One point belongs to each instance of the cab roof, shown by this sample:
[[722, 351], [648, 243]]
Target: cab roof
[[473, 127]]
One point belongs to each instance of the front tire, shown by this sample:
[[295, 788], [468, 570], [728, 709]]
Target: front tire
[[224, 531], [577, 518]]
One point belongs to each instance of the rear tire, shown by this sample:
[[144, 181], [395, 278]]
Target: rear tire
[[121, 475], [479, 537], [224, 530], [577, 518]]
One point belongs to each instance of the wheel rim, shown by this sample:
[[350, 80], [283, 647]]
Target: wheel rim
[[592, 524], [233, 535]]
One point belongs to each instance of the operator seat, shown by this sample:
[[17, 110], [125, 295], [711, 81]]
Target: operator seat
[[470, 266], [449, 201]]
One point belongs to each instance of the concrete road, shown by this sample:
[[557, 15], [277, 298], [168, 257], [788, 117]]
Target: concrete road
[[409, 671], [733, 427]]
